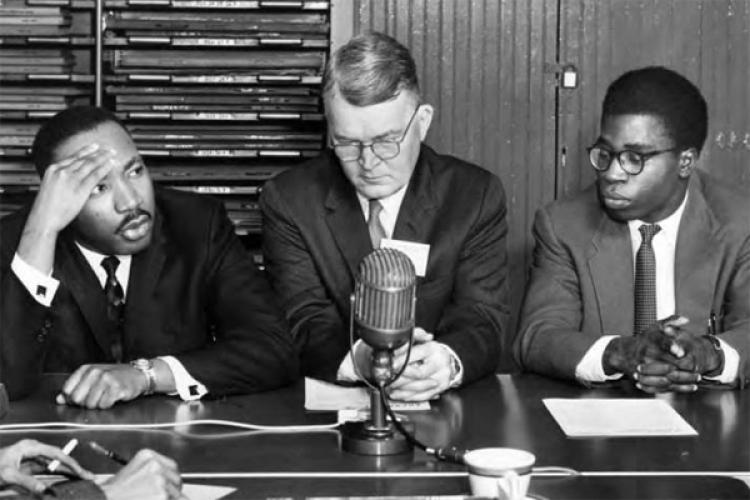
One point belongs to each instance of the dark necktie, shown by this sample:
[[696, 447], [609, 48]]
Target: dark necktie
[[374, 226], [645, 279], [115, 305]]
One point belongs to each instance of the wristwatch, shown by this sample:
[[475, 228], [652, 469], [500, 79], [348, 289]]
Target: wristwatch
[[719, 352], [147, 368]]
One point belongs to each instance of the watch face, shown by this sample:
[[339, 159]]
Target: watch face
[[142, 364]]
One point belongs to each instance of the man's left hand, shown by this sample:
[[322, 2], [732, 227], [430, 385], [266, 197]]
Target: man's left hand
[[700, 355], [428, 373], [101, 386]]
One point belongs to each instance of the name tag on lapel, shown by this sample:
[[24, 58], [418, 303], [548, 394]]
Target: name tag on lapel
[[417, 252]]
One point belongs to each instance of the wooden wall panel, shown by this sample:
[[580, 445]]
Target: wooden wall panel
[[706, 40], [482, 65]]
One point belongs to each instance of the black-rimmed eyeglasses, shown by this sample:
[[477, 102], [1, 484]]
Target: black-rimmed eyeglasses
[[385, 150], [632, 162]]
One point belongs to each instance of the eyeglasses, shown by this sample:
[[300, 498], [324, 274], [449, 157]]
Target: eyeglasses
[[385, 150], [632, 162]]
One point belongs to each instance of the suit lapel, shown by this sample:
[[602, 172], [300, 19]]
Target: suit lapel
[[610, 262], [418, 205], [345, 220], [74, 272], [696, 265], [145, 271]]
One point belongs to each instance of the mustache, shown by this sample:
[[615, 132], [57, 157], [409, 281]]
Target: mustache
[[131, 216]]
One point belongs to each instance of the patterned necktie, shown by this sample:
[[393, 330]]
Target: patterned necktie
[[115, 305], [374, 226], [645, 279]]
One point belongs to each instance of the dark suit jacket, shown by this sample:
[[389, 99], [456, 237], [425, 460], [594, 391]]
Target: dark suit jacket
[[193, 293], [315, 236], [581, 283]]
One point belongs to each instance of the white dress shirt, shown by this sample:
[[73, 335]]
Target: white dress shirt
[[43, 288], [664, 243], [388, 216]]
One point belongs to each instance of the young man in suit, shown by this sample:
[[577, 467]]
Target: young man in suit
[[376, 182], [133, 289], [653, 239]]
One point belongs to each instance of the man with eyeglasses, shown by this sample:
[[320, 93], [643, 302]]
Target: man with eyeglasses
[[377, 185], [646, 274]]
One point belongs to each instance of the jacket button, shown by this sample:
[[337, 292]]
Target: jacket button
[[40, 337], [47, 324]]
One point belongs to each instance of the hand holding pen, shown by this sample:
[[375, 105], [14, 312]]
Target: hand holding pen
[[147, 475], [16, 461]]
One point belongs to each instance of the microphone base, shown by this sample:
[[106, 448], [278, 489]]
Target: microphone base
[[359, 438]]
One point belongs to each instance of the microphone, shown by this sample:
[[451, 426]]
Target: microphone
[[382, 315], [384, 298]]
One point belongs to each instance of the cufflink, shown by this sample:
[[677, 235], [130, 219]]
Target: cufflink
[[41, 290]]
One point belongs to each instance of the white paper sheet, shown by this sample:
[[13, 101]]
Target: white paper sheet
[[617, 417], [324, 396]]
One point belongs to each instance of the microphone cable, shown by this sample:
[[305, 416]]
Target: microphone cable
[[446, 454], [456, 455]]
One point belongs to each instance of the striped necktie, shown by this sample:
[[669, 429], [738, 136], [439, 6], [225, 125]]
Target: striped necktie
[[374, 226], [115, 305]]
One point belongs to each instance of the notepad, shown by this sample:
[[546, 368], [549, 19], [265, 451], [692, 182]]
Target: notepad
[[617, 418]]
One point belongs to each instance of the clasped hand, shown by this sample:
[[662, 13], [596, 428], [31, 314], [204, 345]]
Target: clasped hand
[[102, 385], [665, 357], [427, 374]]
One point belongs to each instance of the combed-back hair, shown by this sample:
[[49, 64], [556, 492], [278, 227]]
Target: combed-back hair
[[369, 69], [666, 94], [62, 127]]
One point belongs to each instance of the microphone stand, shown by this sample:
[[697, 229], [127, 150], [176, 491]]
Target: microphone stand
[[376, 436]]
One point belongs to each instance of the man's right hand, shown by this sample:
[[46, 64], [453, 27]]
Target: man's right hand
[[64, 189], [148, 475], [102, 385]]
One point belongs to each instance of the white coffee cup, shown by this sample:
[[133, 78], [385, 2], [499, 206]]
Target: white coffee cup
[[504, 473]]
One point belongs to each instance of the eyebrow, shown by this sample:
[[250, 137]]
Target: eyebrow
[[373, 139], [132, 161], [632, 146]]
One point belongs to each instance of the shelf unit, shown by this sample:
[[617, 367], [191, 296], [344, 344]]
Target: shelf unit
[[219, 95]]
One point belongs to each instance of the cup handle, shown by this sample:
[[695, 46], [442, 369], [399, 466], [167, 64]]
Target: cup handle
[[513, 482]]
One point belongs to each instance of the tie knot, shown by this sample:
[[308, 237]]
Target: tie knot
[[648, 231], [110, 265]]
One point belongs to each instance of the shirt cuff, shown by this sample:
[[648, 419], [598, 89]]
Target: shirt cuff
[[731, 365], [590, 368], [41, 286], [457, 368], [188, 388], [346, 371]]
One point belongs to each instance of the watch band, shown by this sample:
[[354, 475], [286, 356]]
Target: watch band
[[147, 368], [720, 352]]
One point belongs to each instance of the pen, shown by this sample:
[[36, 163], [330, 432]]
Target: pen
[[107, 453], [67, 449]]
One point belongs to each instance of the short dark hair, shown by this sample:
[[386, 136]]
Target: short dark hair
[[63, 126], [369, 69], [666, 94]]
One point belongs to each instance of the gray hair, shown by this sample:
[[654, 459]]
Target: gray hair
[[369, 69]]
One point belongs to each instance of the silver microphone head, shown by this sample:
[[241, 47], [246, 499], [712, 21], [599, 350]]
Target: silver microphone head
[[384, 298]]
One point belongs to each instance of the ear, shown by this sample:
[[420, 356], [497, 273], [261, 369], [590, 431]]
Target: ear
[[424, 119], [688, 162]]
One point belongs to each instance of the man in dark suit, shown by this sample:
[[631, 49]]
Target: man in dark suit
[[377, 186], [654, 238], [134, 290]]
